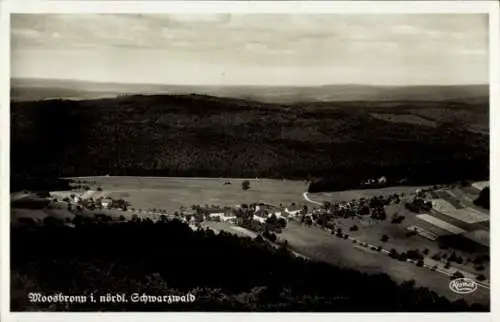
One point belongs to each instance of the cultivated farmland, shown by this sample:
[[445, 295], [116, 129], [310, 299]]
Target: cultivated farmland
[[318, 244]]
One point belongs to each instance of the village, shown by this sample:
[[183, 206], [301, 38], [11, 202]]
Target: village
[[434, 228]]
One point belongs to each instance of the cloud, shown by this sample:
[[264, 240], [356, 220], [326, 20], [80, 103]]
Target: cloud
[[25, 33], [268, 41]]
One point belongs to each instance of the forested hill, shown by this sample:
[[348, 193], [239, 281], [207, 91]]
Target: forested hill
[[196, 135]]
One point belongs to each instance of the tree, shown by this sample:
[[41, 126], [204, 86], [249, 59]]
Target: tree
[[436, 257], [353, 228], [479, 268], [99, 189], [282, 223], [245, 185], [456, 275], [481, 277], [420, 263], [384, 238], [484, 198], [393, 253], [51, 221]]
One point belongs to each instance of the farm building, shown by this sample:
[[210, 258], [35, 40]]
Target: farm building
[[437, 226]]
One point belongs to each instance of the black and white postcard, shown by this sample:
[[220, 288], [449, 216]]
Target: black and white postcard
[[225, 159]]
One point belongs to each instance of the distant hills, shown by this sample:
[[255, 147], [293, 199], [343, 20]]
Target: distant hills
[[23, 89]]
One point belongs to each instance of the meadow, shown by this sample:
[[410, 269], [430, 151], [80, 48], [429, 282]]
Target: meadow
[[404, 118], [348, 195], [173, 193], [320, 245]]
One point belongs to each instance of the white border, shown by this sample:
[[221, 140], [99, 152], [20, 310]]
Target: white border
[[368, 7]]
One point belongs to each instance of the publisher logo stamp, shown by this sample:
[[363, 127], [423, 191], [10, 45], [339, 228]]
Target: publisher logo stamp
[[463, 285]]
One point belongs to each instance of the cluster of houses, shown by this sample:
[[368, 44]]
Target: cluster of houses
[[261, 213], [88, 198]]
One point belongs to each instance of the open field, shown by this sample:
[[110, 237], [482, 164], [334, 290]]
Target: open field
[[467, 196], [173, 193], [371, 231], [449, 197], [441, 224], [478, 121], [320, 245], [466, 215], [219, 226], [404, 118], [348, 195]]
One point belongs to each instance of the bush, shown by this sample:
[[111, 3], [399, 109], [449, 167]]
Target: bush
[[384, 238], [353, 228], [393, 253], [436, 257], [420, 263], [481, 277]]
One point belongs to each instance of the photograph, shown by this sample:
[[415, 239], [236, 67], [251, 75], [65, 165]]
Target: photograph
[[249, 162]]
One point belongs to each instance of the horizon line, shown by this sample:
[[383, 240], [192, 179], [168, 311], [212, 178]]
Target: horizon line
[[246, 85]]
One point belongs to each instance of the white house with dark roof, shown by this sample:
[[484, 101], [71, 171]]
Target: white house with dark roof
[[260, 216]]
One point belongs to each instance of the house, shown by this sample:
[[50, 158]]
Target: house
[[229, 218], [106, 202], [278, 214], [293, 212], [226, 217], [217, 215], [260, 216]]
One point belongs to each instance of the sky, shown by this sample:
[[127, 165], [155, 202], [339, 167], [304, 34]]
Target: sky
[[252, 49]]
